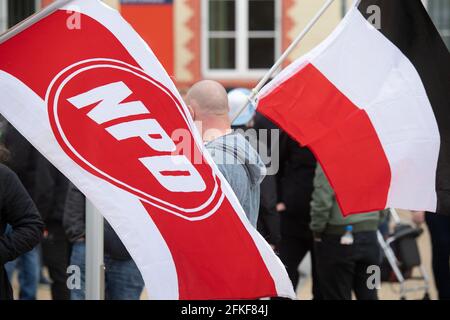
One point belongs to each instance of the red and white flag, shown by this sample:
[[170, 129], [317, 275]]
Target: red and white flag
[[372, 103], [98, 104]]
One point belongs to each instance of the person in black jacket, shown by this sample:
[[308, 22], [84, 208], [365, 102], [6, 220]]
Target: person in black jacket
[[439, 228], [123, 280], [269, 218], [294, 189], [18, 211], [49, 196], [23, 158]]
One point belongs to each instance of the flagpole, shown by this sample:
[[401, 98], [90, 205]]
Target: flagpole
[[32, 19], [283, 57], [95, 269]]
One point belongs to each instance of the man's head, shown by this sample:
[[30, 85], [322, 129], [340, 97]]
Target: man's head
[[208, 104]]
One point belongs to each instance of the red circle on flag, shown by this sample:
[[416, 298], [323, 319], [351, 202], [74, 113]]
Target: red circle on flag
[[96, 150]]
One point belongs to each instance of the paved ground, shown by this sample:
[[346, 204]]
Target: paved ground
[[387, 291]]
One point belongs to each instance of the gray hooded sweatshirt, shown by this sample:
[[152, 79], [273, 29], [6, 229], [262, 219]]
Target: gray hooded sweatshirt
[[242, 167]]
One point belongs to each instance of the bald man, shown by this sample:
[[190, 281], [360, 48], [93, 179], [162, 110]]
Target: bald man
[[239, 163]]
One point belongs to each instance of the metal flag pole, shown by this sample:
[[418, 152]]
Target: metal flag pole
[[283, 57], [95, 269], [95, 266]]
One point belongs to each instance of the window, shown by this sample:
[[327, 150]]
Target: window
[[3, 15], [13, 11], [239, 37], [19, 10], [440, 13], [344, 7]]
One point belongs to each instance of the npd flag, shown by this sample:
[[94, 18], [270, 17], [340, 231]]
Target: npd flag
[[374, 106], [98, 104]]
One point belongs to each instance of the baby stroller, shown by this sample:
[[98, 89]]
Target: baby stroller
[[401, 256]]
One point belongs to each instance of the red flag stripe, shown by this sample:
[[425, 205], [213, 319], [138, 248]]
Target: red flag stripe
[[313, 111]]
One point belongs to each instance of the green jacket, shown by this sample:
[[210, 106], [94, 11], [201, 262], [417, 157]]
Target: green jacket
[[326, 217]]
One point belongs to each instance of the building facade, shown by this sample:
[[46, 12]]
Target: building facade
[[232, 41]]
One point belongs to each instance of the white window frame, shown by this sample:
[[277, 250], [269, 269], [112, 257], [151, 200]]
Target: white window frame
[[242, 71], [3, 15], [445, 32]]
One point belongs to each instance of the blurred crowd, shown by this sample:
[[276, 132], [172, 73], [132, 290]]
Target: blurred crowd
[[285, 195]]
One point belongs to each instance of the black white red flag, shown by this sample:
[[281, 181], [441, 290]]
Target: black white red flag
[[373, 104]]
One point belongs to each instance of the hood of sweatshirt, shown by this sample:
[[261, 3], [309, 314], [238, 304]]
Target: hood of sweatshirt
[[234, 148]]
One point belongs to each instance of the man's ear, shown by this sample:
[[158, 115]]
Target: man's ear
[[191, 111]]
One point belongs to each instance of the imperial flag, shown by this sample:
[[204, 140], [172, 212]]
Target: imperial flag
[[373, 104]]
